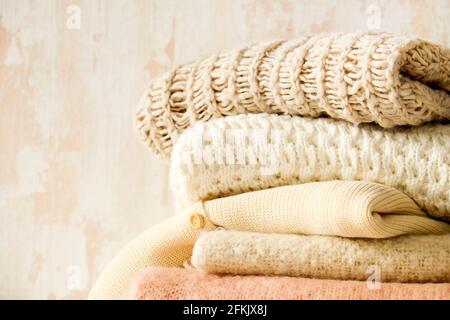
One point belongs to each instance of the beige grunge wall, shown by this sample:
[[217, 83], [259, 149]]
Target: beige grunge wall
[[75, 182]]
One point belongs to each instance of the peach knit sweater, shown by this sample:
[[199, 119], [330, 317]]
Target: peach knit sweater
[[181, 284]]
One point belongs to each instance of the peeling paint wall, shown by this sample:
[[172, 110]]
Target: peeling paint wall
[[75, 182]]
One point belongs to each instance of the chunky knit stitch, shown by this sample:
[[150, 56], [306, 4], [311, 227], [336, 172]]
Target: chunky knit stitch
[[382, 78], [182, 284], [421, 258], [243, 153]]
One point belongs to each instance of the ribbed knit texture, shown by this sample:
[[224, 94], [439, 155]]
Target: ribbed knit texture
[[243, 153], [422, 258], [344, 208], [166, 244], [338, 208], [382, 78], [182, 284]]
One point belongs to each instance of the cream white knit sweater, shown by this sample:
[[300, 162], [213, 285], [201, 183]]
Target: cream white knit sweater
[[420, 258], [237, 154], [342, 208], [382, 78]]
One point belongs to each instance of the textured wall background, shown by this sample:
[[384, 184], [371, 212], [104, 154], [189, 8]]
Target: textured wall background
[[75, 182]]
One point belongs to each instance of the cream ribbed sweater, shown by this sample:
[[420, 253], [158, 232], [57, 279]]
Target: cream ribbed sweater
[[419, 258], [167, 244], [338, 208], [382, 78], [343, 208], [242, 153]]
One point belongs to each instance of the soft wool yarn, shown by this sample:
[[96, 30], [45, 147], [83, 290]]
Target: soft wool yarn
[[344, 208], [421, 258], [182, 284], [167, 244], [237, 154], [382, 78], [355, 209]]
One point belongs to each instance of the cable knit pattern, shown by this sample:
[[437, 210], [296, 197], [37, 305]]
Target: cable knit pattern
[[368, 77], [237, 154], [424, 258]]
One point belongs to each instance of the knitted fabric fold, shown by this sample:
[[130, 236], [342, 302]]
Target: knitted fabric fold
[[337, 208], [420, 258], [182, 284], [367, 77], [237, 154], [343, 208], [167, 244]]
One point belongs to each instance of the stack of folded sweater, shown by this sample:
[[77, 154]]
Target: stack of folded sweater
[[316, 168]]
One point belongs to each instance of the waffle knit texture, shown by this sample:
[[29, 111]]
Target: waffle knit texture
[[237, 154], [382, 78], [182, 284], [418, 258], [342, 208]]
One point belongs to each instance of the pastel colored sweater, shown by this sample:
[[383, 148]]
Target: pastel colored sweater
[[244, 153], [366, 77], [342, 208], [182, 284], [351, 209], [417, 258]]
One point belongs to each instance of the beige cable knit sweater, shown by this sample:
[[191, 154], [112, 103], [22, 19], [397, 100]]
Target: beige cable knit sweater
[[237, 154], [387, 79], [419, 258]]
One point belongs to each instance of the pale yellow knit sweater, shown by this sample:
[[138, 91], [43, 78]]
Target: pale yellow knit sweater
[[342, 208], [416, 258], [339, 208], [382, 78]]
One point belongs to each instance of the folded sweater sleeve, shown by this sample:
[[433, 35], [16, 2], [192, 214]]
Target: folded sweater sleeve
[[337, 208], [340, 208]]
